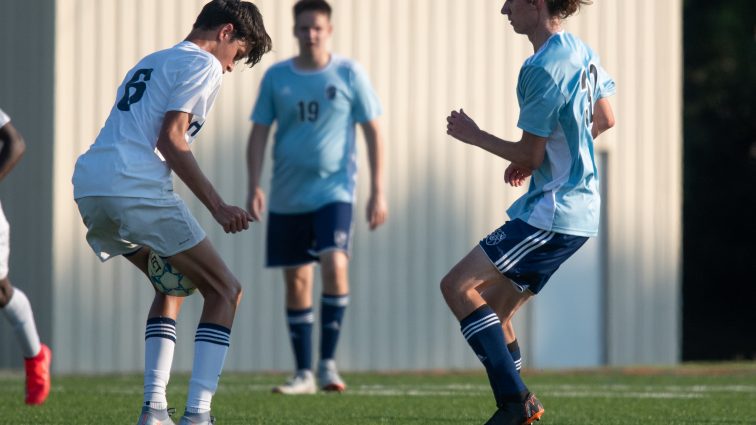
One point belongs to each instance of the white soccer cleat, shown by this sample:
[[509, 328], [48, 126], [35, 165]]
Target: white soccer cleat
[[151, 416], [203, 418], [328, 377], [303, 382]]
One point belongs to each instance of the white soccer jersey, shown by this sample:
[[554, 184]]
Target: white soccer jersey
[[4, 118], [4, 241], [4, 227], [123, 160]]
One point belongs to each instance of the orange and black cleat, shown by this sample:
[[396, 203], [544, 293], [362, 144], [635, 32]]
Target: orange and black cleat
[[38, 376], [518, 413]]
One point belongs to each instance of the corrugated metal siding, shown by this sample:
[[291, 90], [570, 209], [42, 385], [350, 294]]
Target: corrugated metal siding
[[26, 85], [424, 58]]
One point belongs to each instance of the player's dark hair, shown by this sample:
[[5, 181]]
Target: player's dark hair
[[312, 5], [247, 22], [565, 8]]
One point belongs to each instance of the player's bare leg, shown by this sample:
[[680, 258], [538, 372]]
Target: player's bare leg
[[219, 287], [496, 297], [475, 272], [298, 287], [335, 274], [480, 325], [37, 356], [298, 281]]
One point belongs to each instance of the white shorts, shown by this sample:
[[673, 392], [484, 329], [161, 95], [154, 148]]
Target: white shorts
[[4, 244], [120, 225]]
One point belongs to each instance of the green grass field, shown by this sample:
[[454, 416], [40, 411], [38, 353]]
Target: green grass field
[[688, 395]]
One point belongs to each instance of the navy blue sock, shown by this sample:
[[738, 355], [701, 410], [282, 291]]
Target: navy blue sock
[[514, 351], [483, 332], [300, 332], [331, 314]]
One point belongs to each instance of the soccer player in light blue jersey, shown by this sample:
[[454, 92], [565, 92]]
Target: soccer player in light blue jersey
[[562, 92], [316, 99]]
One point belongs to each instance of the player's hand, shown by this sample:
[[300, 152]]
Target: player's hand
[[515, 175], [377, 211], [233, 219], [256, 204], [460, 126]]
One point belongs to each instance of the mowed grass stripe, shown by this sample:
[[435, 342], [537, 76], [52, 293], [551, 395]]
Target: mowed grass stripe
[[688, 395]]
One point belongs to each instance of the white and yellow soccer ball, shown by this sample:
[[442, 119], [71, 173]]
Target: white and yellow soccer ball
[[167, 279]]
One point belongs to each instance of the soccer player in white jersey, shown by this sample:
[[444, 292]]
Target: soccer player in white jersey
[[125, 195], [562, 92], [316, 98], [13, 302]]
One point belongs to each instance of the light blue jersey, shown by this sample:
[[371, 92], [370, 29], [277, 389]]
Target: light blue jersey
[[314, 155], [557, 89]]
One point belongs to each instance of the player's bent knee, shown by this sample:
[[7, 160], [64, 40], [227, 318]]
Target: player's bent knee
[[449, 287], [231, 291]]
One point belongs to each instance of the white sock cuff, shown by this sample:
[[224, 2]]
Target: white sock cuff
[[19, 314]]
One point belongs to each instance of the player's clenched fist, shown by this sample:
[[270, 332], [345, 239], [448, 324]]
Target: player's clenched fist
[[233, 219], [460, 126]]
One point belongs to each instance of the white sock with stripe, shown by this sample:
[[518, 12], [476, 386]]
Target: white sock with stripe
[[210, 347], [159, 344]]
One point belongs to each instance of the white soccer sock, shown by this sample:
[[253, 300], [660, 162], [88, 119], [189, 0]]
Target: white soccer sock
[[210, 348], [159, 344], [20, 315]]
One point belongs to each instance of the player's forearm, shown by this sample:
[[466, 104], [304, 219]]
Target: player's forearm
[[181, 160], [521, 153], [255, 158], [374, 142], [12, 148], [603, 117]]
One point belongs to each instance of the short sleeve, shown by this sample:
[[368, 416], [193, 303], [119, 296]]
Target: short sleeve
[[4, 118], [264, 110], [196, 88], [606, 86], [540, 101], [366, 105]]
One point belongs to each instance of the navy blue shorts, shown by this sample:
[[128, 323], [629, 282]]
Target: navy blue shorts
[[528, 255], [299, 239]]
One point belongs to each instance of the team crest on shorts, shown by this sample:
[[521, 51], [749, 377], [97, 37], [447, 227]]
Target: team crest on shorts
[[331, 92], [496, 237], [340, 238]]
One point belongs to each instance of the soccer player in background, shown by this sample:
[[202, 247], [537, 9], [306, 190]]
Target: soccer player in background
[[317, 98], [125, 194], [562, 93], [13, 302]]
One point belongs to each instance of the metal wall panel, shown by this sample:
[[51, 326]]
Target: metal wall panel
[[424, 58], [27, 34]]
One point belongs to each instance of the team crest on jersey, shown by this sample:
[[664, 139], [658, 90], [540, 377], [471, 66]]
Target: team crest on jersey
[[331, 92], [340, 238], [496, 237]]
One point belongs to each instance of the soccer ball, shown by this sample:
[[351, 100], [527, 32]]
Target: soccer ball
[[167, 279]]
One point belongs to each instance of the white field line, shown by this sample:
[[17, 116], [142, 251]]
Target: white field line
[[568, 391]]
